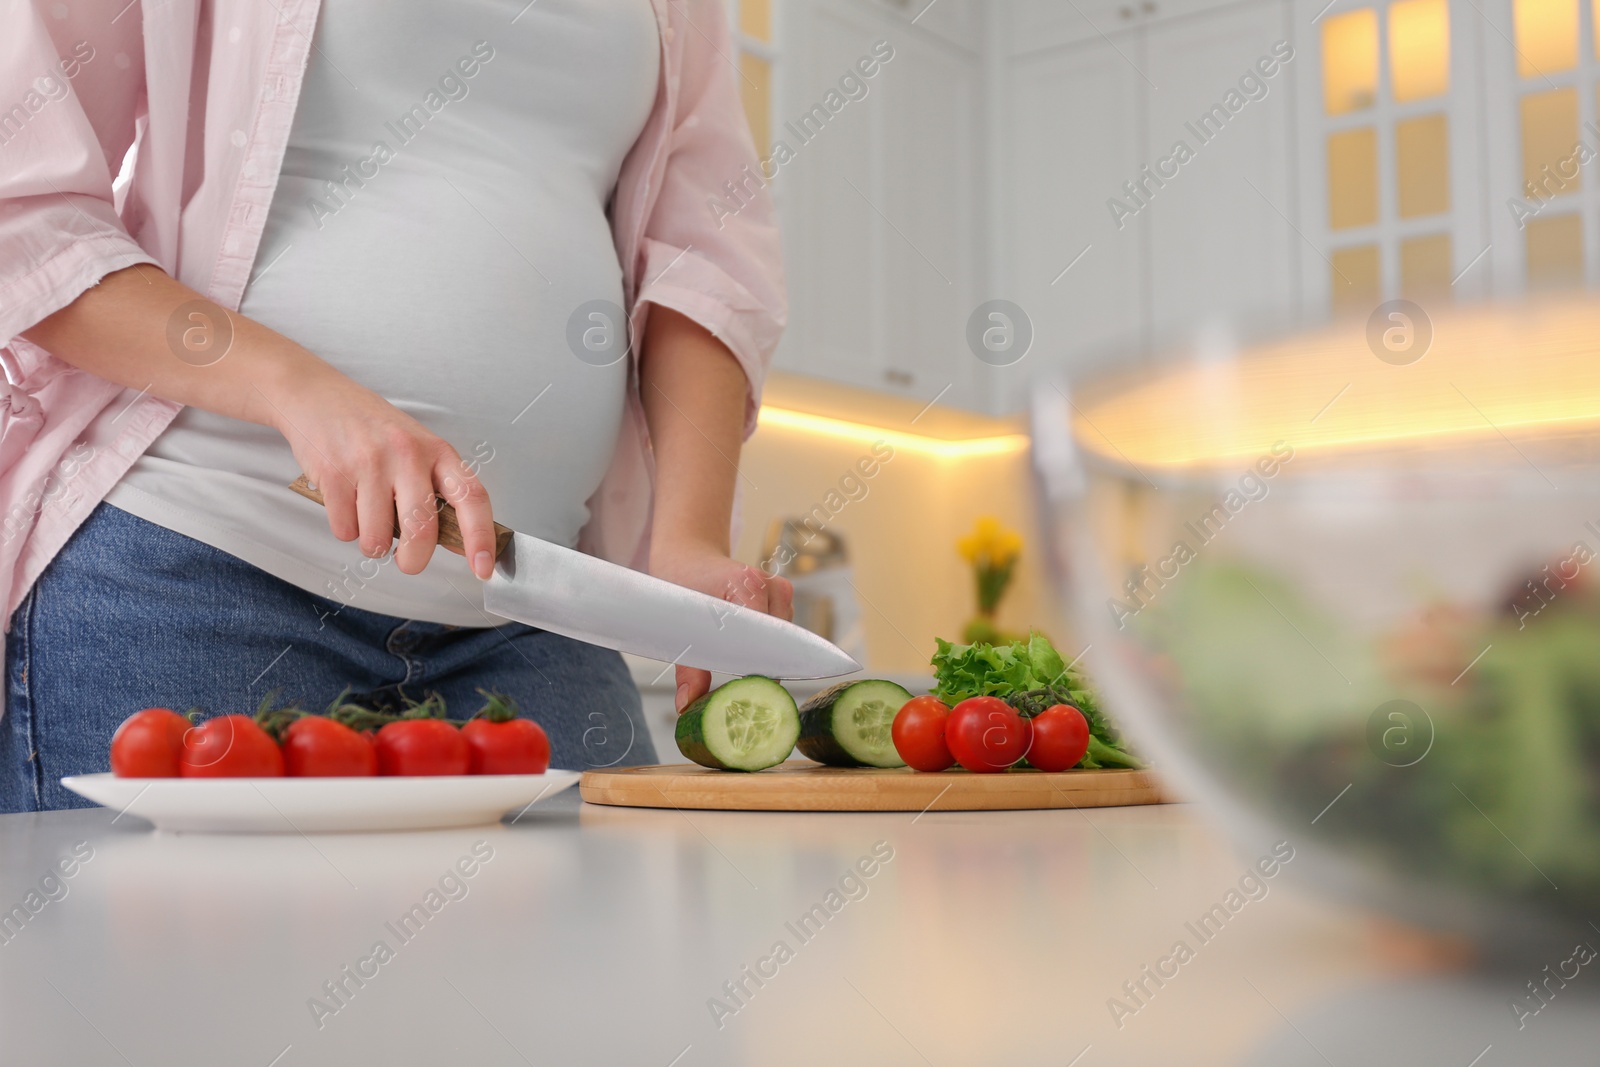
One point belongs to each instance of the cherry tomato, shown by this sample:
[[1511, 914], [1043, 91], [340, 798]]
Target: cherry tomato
[[422, 746], [148, 744], [986, 734], [1060, 738], [918, 733], [230, 746], [516, 746], [317, 747]]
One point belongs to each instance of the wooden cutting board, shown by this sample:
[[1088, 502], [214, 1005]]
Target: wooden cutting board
[[801, 785]]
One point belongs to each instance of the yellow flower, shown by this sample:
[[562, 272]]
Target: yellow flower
[[990, 543], [1007, 548]]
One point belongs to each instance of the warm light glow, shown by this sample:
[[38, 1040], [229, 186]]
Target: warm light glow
[[1419, 49], [1554, 251], [1352, 178], [1427, 266], [1546, 35], [755, 19], [755, 91], [1422, 165], [1550, 158], [860, 431], [1488, 376], [1349, 61], [1356, 279]]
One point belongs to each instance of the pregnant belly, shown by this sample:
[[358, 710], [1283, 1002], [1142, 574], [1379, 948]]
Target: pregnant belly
[[492, 322]]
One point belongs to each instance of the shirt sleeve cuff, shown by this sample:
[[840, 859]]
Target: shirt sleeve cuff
[[84, 249]]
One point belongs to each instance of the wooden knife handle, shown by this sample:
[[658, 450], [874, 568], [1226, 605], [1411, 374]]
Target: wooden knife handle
[[449, 528]]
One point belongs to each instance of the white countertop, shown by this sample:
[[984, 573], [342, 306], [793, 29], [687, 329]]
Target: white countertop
[[601, 936]]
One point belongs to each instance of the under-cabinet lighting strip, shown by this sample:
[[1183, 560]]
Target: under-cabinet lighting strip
[[861, 431]]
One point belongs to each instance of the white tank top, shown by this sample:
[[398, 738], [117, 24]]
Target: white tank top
[[439, 233]]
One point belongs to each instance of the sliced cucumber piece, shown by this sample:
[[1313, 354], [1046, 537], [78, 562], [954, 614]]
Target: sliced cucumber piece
[[747, 724], [848, 724]]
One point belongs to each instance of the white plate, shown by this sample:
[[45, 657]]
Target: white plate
[[308, 805]]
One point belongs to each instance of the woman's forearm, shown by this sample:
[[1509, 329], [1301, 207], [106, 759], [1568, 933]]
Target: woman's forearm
[[142, 329], [694, 398]]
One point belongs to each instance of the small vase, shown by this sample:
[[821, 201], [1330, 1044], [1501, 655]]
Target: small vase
[[981, 629]]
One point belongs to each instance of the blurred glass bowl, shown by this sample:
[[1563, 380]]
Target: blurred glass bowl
[[1343, 587]]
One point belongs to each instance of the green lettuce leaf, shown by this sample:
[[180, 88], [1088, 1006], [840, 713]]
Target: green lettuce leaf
[[962, 671]]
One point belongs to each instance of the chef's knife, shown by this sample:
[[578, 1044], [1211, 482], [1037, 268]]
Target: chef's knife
[[587, 598]]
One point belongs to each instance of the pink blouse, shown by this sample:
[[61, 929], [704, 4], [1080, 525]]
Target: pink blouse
[[209, 88]]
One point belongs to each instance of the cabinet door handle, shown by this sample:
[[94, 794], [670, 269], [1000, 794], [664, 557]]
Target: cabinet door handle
[[898, 377]]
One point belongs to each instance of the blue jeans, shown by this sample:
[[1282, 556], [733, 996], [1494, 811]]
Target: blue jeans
[[131, 615]]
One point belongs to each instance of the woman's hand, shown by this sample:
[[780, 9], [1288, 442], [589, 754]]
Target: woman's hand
[[372, 461], [366, 455], [709, 570]]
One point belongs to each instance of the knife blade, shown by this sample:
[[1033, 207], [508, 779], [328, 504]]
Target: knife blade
[[559, 589]]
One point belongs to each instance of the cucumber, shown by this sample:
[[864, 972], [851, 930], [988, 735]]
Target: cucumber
[[747, 724], [848, 724]]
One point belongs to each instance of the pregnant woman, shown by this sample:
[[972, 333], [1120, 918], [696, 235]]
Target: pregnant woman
[[454, 248]]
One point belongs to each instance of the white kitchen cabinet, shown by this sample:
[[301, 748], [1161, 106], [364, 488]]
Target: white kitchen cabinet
[[1075, 137], [958, 23], [1036, 25], [930, 203], [1222, 249], [992, 148], [880, 208], [984, 163], [1210, 244], [1473, 172], [833, 244], [1503, 270]]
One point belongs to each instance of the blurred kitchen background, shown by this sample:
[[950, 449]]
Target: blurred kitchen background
[[1126, 175]]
